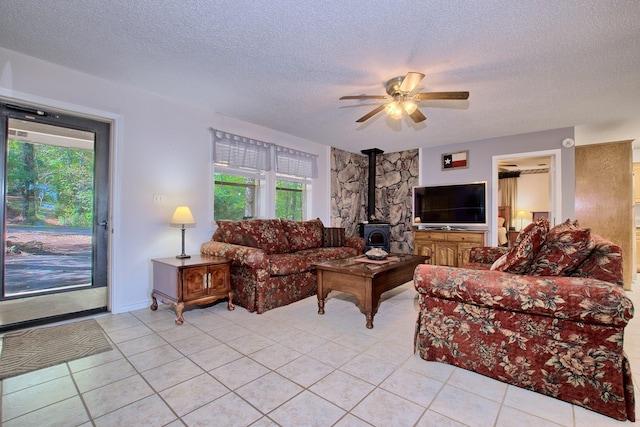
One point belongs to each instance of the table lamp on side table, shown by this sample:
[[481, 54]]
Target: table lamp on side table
[[522, 215], [183, 218]]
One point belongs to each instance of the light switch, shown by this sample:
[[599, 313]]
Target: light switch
[[158, 199]]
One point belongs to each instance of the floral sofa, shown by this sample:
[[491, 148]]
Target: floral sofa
[[272, 260], [547, 315]]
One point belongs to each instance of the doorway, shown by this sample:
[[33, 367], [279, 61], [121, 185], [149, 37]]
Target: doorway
[[55, 205], [532, 162]]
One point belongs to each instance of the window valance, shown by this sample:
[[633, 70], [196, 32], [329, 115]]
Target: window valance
[[294, 162], [240, 152]]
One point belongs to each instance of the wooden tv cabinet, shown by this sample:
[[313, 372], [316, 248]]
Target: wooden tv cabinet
[[447, 247]]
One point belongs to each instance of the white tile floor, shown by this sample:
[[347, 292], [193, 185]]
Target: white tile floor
[[287, 367]]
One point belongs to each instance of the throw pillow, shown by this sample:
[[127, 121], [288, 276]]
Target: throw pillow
[[526, 247], [333, 236], [303, 234], [568, 224], [565, 249], [499, 262]]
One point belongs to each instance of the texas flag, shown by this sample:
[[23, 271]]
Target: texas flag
[[455, 160]]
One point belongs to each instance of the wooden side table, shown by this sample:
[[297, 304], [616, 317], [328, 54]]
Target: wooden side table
[[201, 279]]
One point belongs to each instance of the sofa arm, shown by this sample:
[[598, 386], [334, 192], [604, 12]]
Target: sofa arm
[[486, 254], [239, 255], [356, 243], [578, 299]]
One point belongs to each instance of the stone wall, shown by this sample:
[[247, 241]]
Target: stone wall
[[396, 174]]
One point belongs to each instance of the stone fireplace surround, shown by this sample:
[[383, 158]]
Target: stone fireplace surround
[[396, 174]]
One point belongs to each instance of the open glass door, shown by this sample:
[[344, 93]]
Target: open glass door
[[54, 209]]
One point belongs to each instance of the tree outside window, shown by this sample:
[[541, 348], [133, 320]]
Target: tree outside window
[[289, 200], [235, 197]]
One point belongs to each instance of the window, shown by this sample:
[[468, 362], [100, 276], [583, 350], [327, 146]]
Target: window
[[235, 196], [290, 199], [247, 186]]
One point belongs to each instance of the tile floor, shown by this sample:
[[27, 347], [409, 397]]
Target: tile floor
[[287, 367]]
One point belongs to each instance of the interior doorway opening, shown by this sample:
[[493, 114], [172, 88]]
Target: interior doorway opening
[[538, 162]]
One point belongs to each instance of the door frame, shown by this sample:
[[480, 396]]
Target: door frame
[[115, 145], [555, 190]]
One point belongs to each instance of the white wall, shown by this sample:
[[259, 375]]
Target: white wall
[[160, 147], [533, 195]]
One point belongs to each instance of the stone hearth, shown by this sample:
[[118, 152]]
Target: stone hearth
[[396, 174]]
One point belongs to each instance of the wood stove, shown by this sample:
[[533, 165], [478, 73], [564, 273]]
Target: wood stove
[[376, 233]]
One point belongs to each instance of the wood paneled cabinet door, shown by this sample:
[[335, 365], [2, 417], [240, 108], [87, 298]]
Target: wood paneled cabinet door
[[197, 280], [447, 254], [425, 249], [447, 247]]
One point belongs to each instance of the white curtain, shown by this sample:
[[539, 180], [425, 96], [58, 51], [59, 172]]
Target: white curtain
[[237, 151], [297, 163]]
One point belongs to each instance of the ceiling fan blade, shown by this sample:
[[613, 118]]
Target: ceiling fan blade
[[371, 113], [417, 116], [410, 81], [364, 97], [441, 95]]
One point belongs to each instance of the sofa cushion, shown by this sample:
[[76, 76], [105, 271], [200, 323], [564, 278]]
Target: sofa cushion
[[333, 236], [266, 234], [305, 260], [565, 248], [303, 234], [526, 247]]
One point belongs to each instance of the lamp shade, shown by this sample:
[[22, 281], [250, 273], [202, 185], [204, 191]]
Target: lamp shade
[[521, 214], [182, 217]]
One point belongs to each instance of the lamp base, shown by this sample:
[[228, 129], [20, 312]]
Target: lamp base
[[183, 256]]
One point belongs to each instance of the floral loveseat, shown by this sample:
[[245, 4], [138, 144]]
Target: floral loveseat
[[272, 260], [547, 315]]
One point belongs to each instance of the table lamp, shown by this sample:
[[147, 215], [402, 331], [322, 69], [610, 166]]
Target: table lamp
[[521, 215], [182, 218]]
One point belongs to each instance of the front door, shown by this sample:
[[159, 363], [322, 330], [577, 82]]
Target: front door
[[54, 211]]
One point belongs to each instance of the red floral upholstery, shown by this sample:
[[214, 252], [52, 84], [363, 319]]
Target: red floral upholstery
[[557, 335], [526, 246], [303, 234], [604, 262], [266, 234], [272, 260], [487, 254], [563, 251]]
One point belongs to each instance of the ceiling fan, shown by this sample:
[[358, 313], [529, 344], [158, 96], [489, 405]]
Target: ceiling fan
[[401, 98]]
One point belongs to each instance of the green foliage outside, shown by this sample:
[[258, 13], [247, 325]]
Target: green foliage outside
[[235, 198], [289, 200], [231, 193], [49, 185]]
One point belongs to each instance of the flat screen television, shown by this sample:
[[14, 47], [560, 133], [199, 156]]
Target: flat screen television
[[454, 205]]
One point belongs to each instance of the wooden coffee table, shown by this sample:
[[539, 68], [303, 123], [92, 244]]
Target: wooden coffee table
[[364, 279]]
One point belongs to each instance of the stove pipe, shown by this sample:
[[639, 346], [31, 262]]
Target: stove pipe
[[371, 198]]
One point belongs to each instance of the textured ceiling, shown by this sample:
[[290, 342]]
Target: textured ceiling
[[528, 65]]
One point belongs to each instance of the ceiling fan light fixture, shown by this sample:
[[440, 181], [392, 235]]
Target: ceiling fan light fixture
[[394, 110], [409, 106], [401, 98]]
